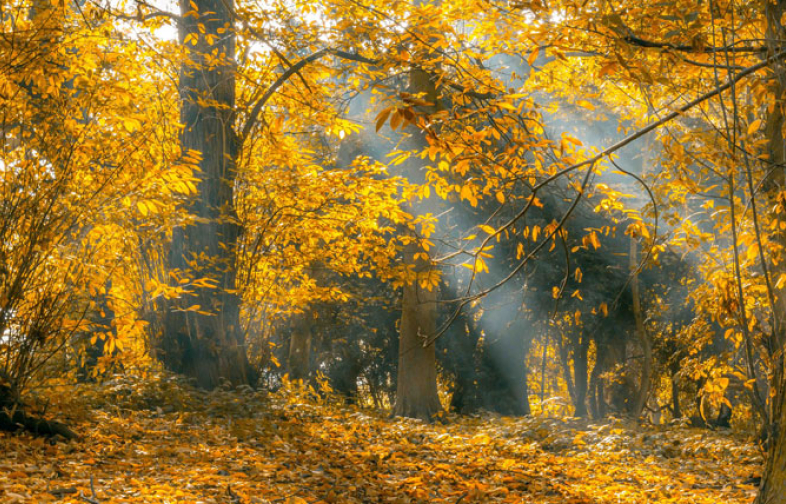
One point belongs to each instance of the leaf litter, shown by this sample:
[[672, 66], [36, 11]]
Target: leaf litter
[[164, 442]]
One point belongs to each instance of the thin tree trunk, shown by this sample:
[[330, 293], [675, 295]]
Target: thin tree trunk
[[526, 409], [641, 334], [580, 366], [299, 360], [676, 411], [596, 400], [564, 359], [543, 360]]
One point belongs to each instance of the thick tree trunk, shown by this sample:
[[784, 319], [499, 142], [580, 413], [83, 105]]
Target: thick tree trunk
[[461, 340], [416, 386], [576, 347], [773, 483], [202, 335], [501, 385], [580, 366]]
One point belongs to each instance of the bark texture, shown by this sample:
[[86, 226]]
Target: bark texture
[[773, 483], [207, 343], [416, 386]]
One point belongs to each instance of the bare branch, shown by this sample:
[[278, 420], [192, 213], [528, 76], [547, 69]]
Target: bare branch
[[638, 41]]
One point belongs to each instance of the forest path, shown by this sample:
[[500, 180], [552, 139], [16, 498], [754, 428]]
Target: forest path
[[163, 444]]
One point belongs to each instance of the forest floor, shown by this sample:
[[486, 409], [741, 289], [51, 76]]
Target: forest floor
[[162, 443]]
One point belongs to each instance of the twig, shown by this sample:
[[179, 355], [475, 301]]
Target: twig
[[94, 498], [233, 497]]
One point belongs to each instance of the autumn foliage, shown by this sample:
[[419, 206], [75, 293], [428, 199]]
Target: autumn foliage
[[570, 214]]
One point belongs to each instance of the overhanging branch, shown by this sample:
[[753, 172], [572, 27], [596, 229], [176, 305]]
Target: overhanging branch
[[253, 116], [638, 41]]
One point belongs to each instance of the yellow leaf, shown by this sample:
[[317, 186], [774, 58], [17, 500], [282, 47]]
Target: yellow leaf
[[532, 57], [593, 238], [466, 193], [535, 232], [130, 125], [754, 126], [585, 104], [488, 229]]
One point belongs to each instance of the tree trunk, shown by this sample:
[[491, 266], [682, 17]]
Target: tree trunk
[[416, 386], [594, 394], [526, 409], [580, 366], [641, 334], [564, 358], [773, 482], [461, 340], [299, 360], [202, 335], [676, 411]]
